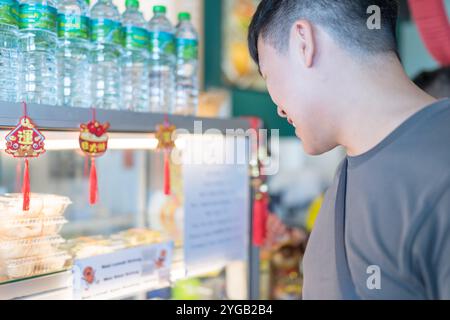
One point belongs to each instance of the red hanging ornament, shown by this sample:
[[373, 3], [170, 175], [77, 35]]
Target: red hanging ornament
[[94, 143], [25, 141], [166, 142], [261, 198], [93, 188], [260, 215], [26, 187], [166, 173]]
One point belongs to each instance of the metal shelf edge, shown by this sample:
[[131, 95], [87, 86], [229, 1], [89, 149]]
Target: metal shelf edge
[[59, 118]]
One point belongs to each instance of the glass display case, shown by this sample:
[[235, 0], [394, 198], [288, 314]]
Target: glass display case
[[200, 233]]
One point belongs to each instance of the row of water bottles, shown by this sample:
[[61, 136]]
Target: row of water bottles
[[60, 53]]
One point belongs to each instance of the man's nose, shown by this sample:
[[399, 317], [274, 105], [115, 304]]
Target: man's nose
[[281, 113]]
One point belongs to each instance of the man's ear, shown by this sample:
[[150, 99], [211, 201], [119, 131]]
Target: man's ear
[[304, 40]]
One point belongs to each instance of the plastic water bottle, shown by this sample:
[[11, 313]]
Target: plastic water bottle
[[9, 10], [107, 39], [38, 41], [186, 81], [162, 61], [135, 80], [73, 53]]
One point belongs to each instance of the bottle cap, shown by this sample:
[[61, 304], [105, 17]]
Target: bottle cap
[[159, 9], [184, 16], [131, 3]]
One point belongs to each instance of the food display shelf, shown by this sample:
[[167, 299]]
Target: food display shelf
[[58, 118]]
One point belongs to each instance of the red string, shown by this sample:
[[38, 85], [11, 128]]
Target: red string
[[93, 184], [26, 187], [24, 106], [166, 173], [26, 174], [166, 162]]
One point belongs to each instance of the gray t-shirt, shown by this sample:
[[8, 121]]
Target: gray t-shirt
[[397, 218]]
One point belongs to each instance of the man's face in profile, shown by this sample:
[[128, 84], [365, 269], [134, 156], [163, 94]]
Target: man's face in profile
[[299, 91]]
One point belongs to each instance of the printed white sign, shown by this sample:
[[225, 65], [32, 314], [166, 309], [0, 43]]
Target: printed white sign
[[127, 270], [216, 212]]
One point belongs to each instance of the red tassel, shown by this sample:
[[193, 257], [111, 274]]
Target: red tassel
[[260, 214], [265, 216], [166, 173], [26, 187], [93, 184]]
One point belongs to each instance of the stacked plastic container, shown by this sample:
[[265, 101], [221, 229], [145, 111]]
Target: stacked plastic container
[[29, 240]]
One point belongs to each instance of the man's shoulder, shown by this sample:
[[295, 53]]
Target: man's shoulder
[[421, 152], [426, 147], [435, 122]]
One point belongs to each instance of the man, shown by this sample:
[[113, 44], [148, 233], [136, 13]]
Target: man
[[384, 228]]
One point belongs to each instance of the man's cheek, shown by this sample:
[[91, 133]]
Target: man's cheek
[[281, 89], [275, 95], [290, 102]]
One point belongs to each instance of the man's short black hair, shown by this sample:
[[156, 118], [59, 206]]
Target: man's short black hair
[[345, 20]]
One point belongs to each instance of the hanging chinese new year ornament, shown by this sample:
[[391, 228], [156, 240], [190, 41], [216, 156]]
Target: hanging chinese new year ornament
[[260, 215], [25, 141], [166, 142], [261, 195], [94, 143]]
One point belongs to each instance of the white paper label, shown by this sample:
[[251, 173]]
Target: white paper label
[[126, 270]]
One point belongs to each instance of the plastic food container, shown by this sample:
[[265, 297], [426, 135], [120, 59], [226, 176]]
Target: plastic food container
[[84, 247], [46, 205], [19, 248], [32, 266], [17, 228]]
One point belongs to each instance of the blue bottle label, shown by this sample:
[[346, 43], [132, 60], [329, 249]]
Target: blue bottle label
[[162, 43], [9, 12], [136, 38], [106, 31], [37, 16], [73, 27], [187, 49]]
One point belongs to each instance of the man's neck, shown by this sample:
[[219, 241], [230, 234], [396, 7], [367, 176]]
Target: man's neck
[[378, 105]]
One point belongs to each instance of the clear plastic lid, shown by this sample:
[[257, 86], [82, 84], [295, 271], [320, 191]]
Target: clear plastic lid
[[84, 247], [20, 248], [36, 265], [40, 205], [21, 227]]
